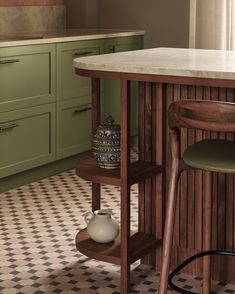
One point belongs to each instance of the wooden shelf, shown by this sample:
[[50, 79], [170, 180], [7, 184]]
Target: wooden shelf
[[140, 245], [88, 170]]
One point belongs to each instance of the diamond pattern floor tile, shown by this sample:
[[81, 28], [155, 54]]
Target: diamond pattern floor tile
[[39, 222]]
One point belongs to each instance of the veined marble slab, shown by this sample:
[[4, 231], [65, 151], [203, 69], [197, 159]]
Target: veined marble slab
[[197, 63], [68, 35], [15, 19]]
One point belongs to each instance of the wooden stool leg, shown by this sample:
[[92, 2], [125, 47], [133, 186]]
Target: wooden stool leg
[[170, 218], [207, 234]]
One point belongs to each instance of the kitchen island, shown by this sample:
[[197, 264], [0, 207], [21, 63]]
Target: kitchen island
[[166, 75]]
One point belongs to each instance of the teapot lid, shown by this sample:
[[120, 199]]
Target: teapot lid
[[109, 124], [108, 129]]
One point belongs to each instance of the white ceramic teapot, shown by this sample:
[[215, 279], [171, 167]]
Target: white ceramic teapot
[[100, 226]]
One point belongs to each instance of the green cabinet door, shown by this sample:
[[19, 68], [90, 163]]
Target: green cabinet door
[[70, 85], [111, 88], [27, 138], [73, 126], [27, 76]]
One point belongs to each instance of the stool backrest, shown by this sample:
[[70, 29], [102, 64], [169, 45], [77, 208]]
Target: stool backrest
[[202, 114]]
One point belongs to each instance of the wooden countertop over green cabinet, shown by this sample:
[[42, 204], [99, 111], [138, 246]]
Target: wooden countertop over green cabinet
[[69, 85], [112, 87], [27, 138], [27, 76]]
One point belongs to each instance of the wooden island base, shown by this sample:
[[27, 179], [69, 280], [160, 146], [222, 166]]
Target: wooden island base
[[156, 92]]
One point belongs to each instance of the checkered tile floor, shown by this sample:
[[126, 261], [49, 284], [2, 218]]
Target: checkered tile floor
[[37, 249]]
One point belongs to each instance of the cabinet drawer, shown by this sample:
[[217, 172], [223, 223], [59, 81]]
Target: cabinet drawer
[[69, 84], [27, 76], [26, 138], [73, 128]]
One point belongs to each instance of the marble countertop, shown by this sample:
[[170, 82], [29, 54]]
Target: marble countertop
[[20, 39], [197, 63]]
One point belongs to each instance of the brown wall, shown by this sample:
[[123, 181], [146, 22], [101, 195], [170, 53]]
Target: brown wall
[[30, 2], [81, 13], [166, 22]]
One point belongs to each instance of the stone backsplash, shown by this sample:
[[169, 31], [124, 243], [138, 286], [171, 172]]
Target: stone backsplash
[[32, 18]]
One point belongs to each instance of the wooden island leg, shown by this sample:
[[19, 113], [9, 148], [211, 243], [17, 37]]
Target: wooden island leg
[[95, 123], [125, 187]]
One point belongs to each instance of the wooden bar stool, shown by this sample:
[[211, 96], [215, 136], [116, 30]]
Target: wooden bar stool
[[208, 155]]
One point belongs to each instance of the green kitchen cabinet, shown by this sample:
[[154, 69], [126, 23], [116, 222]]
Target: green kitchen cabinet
[[122, 44], [112, 87], [70, 85], [45, 108], [27, 138], [27, 76], [73, 126]]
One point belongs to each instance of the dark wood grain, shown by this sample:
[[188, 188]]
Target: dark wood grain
[[96, 108], [88, 170], [140, 244], [125, 186]]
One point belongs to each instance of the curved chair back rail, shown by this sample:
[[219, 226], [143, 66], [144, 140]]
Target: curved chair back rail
[[205, 115]]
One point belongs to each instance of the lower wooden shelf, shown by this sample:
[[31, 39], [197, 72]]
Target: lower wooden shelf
[[140, 245]]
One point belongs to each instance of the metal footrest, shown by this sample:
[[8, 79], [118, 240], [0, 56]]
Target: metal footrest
[[189, 260]]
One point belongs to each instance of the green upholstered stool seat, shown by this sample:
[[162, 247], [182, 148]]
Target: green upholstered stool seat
[[211, 155]]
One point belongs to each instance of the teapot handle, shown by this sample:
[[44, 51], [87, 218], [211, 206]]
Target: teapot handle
[[88, 216]]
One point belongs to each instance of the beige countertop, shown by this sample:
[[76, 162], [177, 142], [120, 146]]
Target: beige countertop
[[20, 39], [197, 63]]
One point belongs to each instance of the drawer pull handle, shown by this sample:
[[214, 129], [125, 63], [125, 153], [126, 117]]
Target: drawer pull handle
[[7, 127], [6, 61], [112, 49], [80, 54], [81, 110]]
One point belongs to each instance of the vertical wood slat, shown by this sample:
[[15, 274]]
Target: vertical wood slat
[[148, 155], [94, 125], [229, 191], [158, 156], [30, 2], [179, 227], [207, 203], [198, 189], [221, 196], [146, 146], [168, 99], [148, 158], [141, 146], [125, 186], [181, 93], [191, 188], [214, 135]]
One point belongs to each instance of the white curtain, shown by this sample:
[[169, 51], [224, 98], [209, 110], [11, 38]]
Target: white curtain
[[212, 24]]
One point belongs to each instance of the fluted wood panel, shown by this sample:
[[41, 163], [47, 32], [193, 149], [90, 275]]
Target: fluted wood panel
[[190, 213], [30, 2]]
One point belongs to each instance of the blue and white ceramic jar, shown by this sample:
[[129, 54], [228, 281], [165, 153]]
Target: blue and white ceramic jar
[[106, 144]]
